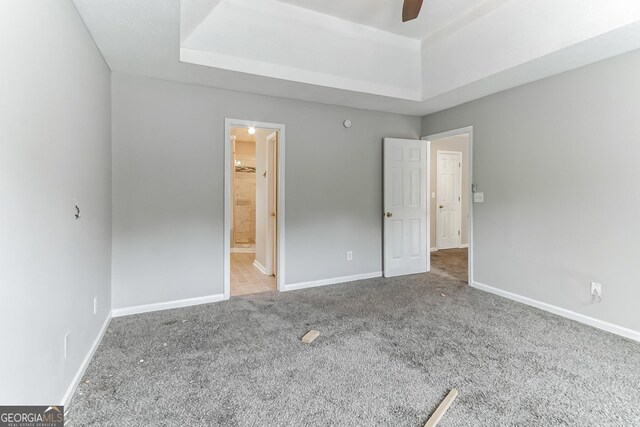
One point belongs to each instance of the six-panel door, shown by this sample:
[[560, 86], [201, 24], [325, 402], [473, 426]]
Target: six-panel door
[[449, 200], [405, 207]]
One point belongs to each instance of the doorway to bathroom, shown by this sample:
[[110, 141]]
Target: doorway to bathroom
[[253, 213]]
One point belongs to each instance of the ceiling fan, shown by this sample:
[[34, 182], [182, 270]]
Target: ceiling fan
[[411, 9]]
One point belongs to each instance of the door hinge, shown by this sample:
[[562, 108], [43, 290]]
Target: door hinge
[[458, 232], [459, 165]]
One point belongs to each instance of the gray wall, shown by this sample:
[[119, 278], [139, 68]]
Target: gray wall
[[558, 162], [54, 147], [455, 143], [168, 170]]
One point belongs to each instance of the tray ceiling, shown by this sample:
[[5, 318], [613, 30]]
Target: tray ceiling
[[357, 53]]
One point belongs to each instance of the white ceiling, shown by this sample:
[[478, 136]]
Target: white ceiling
[[356, 53], [386, 15], [275, 39]]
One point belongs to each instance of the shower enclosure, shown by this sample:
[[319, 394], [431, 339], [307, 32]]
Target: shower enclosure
[[244, 202]]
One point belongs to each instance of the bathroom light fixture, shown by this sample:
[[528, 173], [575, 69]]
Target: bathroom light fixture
[[252, 130]]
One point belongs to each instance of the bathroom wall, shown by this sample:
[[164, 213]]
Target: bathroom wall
[[243, 232]]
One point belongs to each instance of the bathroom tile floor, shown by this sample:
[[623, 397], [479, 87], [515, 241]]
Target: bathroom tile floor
[[246, 278]]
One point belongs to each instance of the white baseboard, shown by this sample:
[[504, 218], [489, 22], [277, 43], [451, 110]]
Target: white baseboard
[[596, 323], [68, 395], [333, 281], [466, 245], [243, 250], [259, 266], [126, 311]]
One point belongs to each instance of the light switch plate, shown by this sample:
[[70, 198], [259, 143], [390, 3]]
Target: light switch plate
[[478, 197]]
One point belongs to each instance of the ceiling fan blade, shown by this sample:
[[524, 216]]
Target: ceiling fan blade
[[411, 9]]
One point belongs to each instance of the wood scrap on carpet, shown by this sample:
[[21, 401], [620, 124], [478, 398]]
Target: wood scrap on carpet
[[310, 336], [439, 412]]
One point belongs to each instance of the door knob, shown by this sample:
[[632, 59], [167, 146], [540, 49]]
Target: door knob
[[389, 214], [441, 206]]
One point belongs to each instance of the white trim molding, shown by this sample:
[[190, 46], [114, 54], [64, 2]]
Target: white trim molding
[[243, 250], [333, 281], [259, 266], [434, 249], [596, 323], [146, 308], [68, 395], [463, 246]]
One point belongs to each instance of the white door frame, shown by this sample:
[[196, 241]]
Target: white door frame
[[271, 228], [437, 216], [228, 152], [461, 131]]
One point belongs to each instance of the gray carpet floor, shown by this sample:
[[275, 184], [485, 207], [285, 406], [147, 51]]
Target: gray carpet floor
[[389, 351]]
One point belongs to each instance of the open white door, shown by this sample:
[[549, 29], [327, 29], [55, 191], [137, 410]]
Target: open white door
[[405, 207]]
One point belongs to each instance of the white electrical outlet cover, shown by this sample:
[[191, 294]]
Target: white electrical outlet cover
[[478, 197]]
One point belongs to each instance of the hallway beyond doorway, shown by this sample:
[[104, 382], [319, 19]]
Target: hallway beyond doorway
[[451, 263], [246, 278]]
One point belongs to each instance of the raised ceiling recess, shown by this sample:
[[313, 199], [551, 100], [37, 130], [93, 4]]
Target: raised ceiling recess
[[359, 53]]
